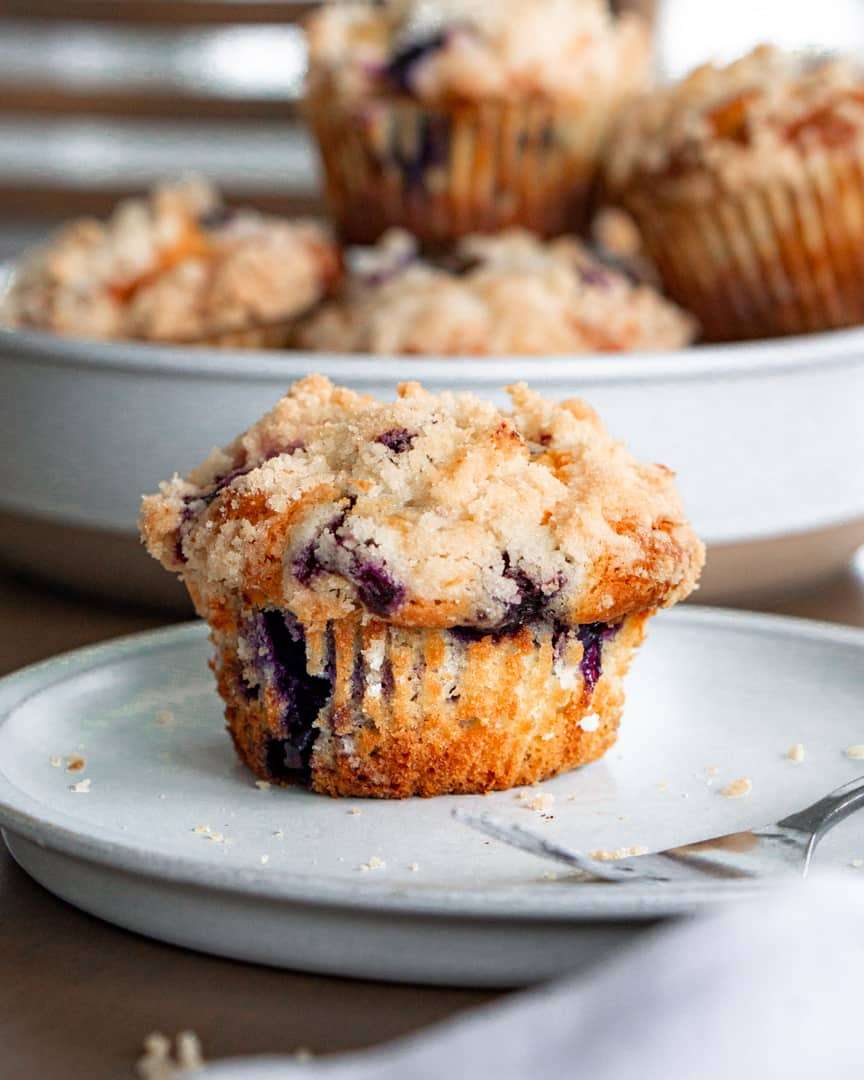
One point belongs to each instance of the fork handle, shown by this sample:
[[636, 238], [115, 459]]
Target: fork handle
[[823, 815]]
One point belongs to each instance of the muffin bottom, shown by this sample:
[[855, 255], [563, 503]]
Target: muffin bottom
[[362, 708]]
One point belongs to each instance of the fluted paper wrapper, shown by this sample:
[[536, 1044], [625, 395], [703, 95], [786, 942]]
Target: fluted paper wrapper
[[443, 173], [763, 260]]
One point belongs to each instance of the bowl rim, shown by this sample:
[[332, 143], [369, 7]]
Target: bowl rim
[[802, 353]]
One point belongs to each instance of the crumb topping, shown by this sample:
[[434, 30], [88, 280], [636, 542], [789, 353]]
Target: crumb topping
[[796, 752], [175, 266], [464, 50], [755, 117], [507, 294], [480, 517]]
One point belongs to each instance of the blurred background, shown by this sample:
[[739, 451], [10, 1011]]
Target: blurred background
[[99, 98]]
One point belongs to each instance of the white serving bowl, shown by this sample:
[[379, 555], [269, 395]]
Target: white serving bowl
[[767, 439]]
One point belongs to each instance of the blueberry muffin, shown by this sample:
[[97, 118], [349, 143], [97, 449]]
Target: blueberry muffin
[[747, 184], [447, 117], [179, 267], [425, 596], [509, 294]]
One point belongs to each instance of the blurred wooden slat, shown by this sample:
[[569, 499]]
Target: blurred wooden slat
[[58, 203], [161, 12], [66, 69], [73, 166], [57, 101]]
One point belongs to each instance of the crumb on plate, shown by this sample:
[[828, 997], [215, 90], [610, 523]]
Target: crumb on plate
[[738, 788]]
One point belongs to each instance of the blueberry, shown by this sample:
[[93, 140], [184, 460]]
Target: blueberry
[[595, 277], [431, 151], [400, 69], [279, 645], [307, 566], [592, 636], [397, 439], [378, 590]]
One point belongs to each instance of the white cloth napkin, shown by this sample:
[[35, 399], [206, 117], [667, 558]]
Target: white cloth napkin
[[769, 989]]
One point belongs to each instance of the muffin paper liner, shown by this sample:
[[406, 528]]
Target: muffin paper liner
[[445, 172], [420, 712], [763, 260]]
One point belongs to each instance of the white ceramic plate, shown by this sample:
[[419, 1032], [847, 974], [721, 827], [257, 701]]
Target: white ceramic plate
[[710, 690], [761, 434]]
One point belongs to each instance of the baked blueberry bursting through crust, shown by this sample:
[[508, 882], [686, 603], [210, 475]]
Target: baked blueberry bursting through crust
[[423, 597], [280, 658]]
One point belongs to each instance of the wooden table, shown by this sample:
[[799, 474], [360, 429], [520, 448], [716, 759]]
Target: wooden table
[[78, 996]]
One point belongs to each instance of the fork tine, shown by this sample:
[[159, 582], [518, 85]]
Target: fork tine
[[530, 842]]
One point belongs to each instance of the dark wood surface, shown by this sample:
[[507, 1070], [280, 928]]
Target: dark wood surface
[[77, 996]]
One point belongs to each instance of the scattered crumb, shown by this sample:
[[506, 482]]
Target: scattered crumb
[[663, 785], [216, 837], [589, 723], [201, 830], [162, 1061], [796, 752], [279, 834], [712, 770], [857, 863], [855, 752], [355, 811], [302, 1055], [374, 864], [55, 761], [164, 718], [81, 788], [414, 867], [263, 785], [541, 803], [602, 855], [265, 859], [737, 788]]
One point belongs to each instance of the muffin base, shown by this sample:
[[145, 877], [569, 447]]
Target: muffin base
[[442, 173], [428, 712], [762, 260]]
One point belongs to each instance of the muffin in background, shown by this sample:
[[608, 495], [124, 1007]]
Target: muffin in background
[[747, 184], [510, 294], [452, 117], [176, 266], [425, 596]]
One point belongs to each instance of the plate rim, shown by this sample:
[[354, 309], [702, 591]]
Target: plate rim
[[19, 815]]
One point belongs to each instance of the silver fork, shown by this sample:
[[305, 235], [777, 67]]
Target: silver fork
[[787, 846]]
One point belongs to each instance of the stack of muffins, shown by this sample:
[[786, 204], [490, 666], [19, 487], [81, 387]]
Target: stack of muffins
[[440, 125], [464, 143]]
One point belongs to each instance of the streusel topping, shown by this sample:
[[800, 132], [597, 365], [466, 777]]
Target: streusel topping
[[433, 510], [504, 294], [752, 118], [445, 50], [176, 266]]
